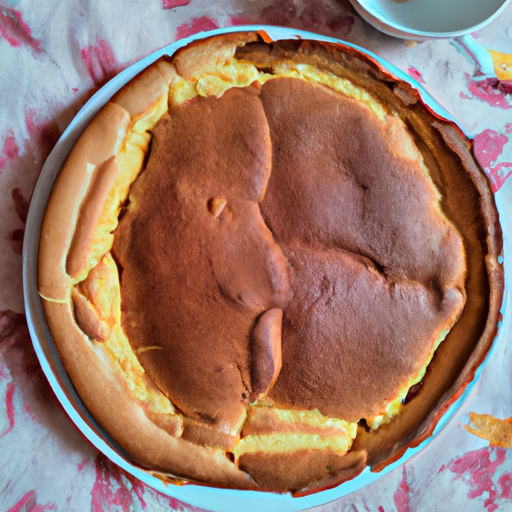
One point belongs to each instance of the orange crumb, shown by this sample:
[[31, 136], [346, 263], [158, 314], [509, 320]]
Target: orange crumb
[[497, 432]]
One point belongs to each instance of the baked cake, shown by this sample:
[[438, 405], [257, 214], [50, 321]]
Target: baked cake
[[267, 265]]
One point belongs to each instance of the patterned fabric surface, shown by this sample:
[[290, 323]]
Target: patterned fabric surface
[[53, 56]]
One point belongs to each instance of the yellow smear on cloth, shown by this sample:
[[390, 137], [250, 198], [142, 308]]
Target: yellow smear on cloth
[[497, 432]]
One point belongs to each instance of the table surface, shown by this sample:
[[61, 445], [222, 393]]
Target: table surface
[[53, 56]]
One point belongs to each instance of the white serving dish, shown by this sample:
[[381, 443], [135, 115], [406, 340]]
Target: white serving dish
[[222, 500]]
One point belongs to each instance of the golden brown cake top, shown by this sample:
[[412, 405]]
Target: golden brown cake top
[[376, 269]]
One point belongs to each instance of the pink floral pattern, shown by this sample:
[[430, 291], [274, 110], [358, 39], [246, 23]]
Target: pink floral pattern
[[482, 473], [100, 61], [53, 56], [14, 30], [201, 24], [10, 149], [172, 4], [29, 504], [488, 148]]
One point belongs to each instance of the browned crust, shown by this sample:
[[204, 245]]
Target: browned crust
[[145, 89], [203, 53], [89, 215], [351, 465], [302, 472], [202, 434], [99, 142], [266, 352], [87, 317], [97, 145]]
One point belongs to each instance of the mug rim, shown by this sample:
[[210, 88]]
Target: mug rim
[[392, 28]]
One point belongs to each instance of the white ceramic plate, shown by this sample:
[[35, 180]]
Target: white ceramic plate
[[214, 499], [429, 19]]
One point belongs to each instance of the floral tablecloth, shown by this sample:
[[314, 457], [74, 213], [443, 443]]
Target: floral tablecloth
[[53, 56]]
